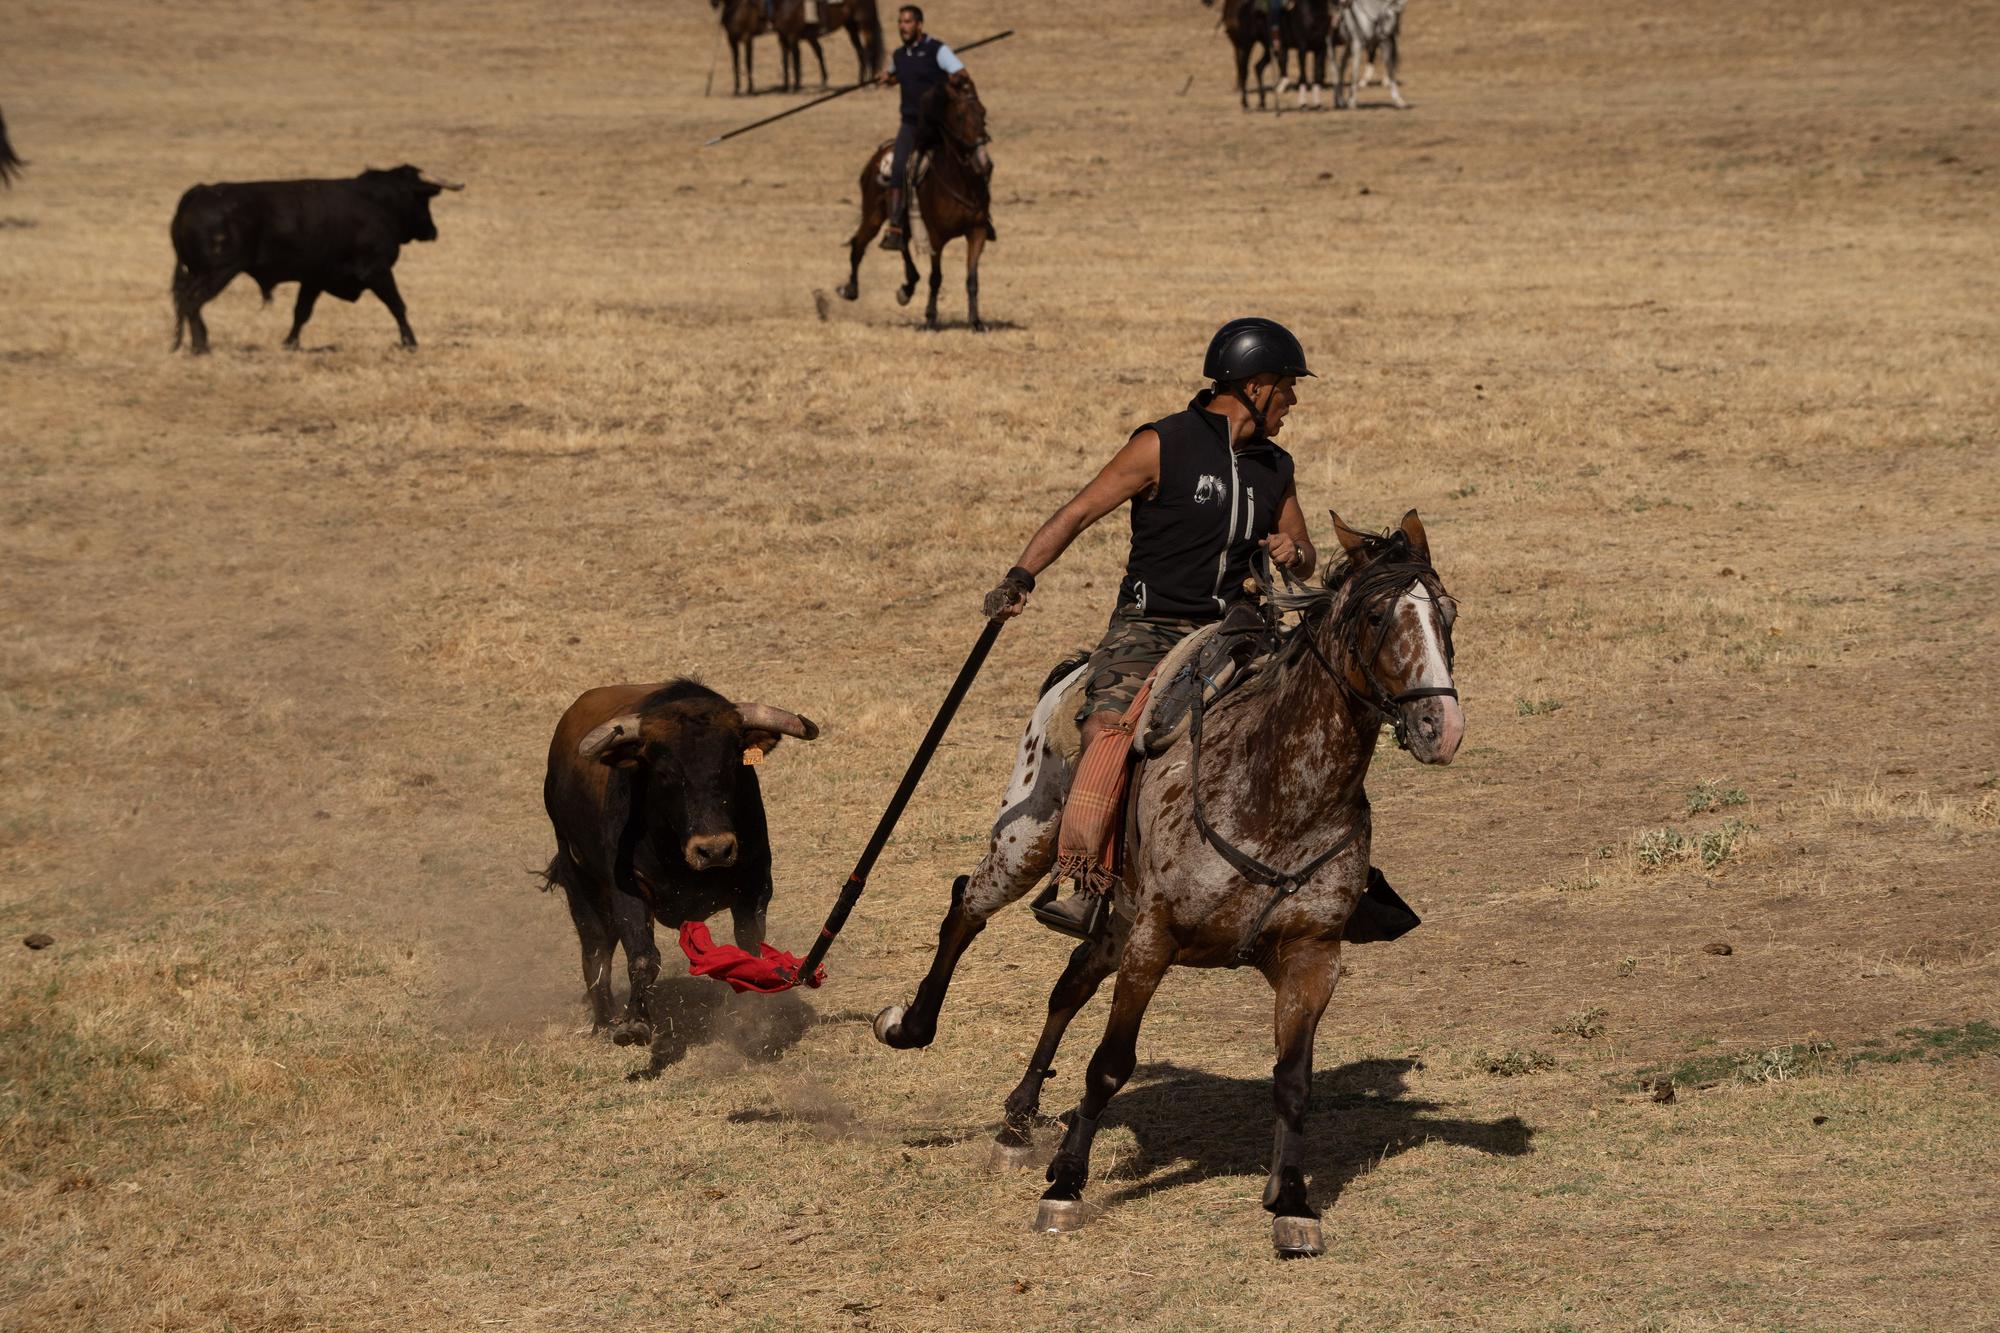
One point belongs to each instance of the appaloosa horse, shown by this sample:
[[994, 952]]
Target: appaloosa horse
[[1248, 842], [954, 197]]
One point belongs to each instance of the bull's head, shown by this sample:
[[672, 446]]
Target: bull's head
[[694, 746], [413, 189]]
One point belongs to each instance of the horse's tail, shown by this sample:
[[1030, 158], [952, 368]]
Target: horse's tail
[[1063, 669]]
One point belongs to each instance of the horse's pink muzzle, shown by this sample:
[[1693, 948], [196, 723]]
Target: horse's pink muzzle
[[1433, 728]]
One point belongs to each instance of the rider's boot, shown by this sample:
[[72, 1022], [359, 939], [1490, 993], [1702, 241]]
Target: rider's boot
[[899, 223], [1080, 914]]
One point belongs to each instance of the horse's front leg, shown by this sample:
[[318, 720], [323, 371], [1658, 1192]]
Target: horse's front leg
[[909, 286], [1021, 852], [1148, 954], [975, 243], [937, 281], [1303, 976], [1089, 964]]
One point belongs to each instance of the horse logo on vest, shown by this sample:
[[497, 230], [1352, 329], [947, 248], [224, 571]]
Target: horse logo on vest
[[1210, 488]]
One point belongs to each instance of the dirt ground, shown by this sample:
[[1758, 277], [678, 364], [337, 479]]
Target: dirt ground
[[1678, 328]]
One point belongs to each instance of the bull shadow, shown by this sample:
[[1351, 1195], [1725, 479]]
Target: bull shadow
[[1192, 1125], [694, 1011]]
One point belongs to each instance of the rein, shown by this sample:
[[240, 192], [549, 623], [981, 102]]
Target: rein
[[959, 153], [1384, 579]]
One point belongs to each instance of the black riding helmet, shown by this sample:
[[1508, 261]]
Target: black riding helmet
[[1253, 346]]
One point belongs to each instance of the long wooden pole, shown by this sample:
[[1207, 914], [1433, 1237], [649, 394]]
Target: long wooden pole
[[838, 92]]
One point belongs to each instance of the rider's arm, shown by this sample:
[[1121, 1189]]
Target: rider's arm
[[948, 60], [1292, 526], [1132, 471]]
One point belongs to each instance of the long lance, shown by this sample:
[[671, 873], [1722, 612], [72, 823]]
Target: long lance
[[838, 92], [850, 892]]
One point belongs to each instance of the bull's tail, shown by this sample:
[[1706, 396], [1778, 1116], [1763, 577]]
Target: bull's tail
[[561, 873]]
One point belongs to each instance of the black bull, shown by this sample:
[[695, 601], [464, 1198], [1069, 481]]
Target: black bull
[[336, 236]]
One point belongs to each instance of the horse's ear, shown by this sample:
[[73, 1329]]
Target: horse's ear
[[1350, 540], [1413, 528]]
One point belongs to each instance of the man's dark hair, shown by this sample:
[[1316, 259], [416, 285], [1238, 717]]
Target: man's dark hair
[[917, 10]]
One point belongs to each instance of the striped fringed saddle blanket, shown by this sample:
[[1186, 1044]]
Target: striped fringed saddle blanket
[[1087, 849]]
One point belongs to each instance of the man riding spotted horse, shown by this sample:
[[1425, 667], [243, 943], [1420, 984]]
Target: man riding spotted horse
[[1213, 498]]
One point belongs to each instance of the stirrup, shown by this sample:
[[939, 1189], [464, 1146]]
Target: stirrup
[[1068, 916], [892, 239]]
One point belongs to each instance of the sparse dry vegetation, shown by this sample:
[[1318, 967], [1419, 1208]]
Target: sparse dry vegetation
[[1677, 329]]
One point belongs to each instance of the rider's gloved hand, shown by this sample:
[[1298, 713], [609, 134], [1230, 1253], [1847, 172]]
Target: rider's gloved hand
[[1010, 597]]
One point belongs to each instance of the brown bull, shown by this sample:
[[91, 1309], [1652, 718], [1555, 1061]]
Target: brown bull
[[658, 816]]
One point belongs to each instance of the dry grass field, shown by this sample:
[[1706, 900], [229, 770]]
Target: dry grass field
[[1677, 325]]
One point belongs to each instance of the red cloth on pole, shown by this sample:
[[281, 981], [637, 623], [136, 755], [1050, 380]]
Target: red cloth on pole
[[774, 971]]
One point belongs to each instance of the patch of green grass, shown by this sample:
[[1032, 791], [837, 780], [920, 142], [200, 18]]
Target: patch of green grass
[[1776, 1064], [1659, 848], [1536, 708], [1586, 1024], [1938, 1044], [1710, 794], [1510, 1063], [1934, 1045]]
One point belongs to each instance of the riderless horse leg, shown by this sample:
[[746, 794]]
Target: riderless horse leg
[[1389, 63], [1089, 964], [1243, 76], [975, 243], [1303, 977], [1020, 854], [1263, 63], [1148, 954], [818, 55]]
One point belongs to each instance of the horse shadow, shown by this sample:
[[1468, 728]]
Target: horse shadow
[[1361, 1115], [692, 1011]]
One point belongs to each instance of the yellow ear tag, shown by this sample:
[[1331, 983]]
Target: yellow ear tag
[[753, 756]]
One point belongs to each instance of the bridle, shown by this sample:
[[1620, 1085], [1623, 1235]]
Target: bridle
[[1382, 581]]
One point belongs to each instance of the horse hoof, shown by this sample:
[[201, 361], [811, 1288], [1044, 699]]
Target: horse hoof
[[850, 293], [1297, 1237], [978, 326], [631, 1034], [886, 1023], [903, 295], [1058, 1216]]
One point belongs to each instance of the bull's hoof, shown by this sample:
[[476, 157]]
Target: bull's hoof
[[1059, 1216], [1297, 1237], [632, 1033]]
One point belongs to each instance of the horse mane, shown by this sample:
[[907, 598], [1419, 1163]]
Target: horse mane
[[1385, 558]]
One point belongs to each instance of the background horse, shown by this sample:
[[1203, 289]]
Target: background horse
[[1276, 771], [1244, 21], [954, 197], [743, 21], [1305, 30]]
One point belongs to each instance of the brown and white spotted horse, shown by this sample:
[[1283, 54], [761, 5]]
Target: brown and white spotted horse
[[954, 197], [1281, 770]]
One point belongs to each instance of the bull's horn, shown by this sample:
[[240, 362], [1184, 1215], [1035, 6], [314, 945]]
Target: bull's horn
[[429, 179], [624, 727], [763, 717]]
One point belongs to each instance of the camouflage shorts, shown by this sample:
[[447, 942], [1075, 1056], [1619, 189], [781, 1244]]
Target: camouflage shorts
[[1131, 647]]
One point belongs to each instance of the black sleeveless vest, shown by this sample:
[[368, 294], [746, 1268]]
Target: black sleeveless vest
[[1192, 541], [917, 72]]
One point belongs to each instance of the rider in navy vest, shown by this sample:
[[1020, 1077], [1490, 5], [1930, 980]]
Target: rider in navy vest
[[1208, 488], [920, 64]]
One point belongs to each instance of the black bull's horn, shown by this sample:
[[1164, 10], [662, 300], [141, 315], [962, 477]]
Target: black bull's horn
[[756, 717], [429, 179]]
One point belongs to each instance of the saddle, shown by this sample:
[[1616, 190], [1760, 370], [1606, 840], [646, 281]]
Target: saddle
[[885, 161], [1214, 661]]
